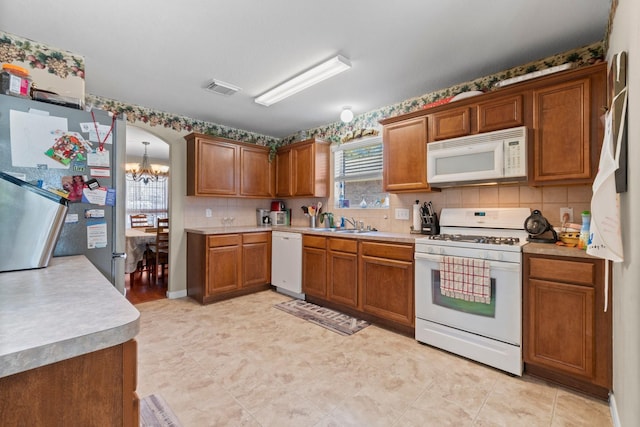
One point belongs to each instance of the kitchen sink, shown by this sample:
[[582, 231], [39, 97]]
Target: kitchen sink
[[343, 231], [352, 231]]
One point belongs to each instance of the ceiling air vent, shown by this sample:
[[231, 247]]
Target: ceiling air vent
[[222, 88]]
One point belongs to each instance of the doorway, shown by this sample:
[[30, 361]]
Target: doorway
[[147, 194]]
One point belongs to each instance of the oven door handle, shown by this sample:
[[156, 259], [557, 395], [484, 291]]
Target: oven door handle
[[497, 265]]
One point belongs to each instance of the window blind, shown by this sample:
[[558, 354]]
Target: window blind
[[360, 161]]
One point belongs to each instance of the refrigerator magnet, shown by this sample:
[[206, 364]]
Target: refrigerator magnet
[[100, 172]]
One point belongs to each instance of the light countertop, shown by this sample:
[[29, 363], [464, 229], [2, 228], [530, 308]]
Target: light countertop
[[372, 235], [555, 250], [62, 311]]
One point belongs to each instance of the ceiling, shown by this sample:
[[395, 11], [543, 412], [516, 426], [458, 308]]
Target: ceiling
[[159, 55], [157, 148]]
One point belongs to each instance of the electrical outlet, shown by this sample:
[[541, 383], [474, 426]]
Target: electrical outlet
[[207, 213], [402, 213], [566, 215]]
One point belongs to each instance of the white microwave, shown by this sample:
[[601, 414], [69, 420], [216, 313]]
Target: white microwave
[[492, 156]]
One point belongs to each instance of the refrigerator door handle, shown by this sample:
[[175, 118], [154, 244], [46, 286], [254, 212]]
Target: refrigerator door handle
[[122, 255]]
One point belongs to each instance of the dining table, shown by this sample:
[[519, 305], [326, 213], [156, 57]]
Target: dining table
[[136, 243]]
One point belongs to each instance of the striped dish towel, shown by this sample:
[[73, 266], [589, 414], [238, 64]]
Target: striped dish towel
[[465, 278]]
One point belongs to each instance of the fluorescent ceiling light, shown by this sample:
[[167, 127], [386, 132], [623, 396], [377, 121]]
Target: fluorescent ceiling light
[[315, 75]]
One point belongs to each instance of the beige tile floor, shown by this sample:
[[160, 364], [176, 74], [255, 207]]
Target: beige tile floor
[[242, 362]]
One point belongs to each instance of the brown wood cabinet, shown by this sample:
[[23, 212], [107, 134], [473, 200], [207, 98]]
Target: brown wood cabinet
[[223, 167], [405, 156], [501, 113], [302, 169], [450, 123], [567, 130], [256, 256], [567, 334], [94, 389], [256, 172], [561, 111], [368, 279], [342, 271], [222, 266], [314, 265], [386, 273]]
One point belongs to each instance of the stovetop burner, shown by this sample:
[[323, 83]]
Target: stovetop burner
[[492, 240]]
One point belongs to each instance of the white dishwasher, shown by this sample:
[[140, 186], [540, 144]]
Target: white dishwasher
[[286, 263]]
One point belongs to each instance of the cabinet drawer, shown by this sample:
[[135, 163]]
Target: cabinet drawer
[[450, 124], [224, 240], [500, 114], [387, 250], [343, 245], [255, 237], [314, 242], [562, 270]]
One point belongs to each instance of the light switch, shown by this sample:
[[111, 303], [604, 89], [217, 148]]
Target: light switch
[[402, 213], [207, 213]]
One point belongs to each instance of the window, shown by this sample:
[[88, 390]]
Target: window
[[151, 198], [358, 175]]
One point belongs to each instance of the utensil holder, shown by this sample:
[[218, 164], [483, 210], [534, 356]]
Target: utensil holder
[[313, 221], [430, 224]]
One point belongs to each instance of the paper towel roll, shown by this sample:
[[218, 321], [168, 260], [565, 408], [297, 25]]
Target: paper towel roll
[[417, 219]]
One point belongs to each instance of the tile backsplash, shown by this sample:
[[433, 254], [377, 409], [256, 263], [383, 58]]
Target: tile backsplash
[[548, 200]]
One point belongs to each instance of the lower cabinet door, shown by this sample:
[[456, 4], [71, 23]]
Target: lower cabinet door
[[314, 271], [561, 327], [387, 289], [342, 274], [224, 269]]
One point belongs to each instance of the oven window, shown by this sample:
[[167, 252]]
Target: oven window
[[478, 308]]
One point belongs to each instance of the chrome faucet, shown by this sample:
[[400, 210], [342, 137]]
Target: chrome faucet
[[351, 221]]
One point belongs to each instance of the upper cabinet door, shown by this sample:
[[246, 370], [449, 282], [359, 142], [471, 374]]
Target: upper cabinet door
[[303, 170], [284, 185], [212, 167], [502, 113], [256, 172], [405, 155], [562, 141], [450, 124]]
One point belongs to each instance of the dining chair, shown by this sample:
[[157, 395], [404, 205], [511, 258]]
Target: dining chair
[[161, 248], [139, 221]]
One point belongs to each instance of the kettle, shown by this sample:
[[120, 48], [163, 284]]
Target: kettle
[[539, 229]]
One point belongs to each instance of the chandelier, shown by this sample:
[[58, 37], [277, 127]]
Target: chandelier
[[145, 171]]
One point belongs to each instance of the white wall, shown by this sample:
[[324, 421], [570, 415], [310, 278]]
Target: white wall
[[626, 284]]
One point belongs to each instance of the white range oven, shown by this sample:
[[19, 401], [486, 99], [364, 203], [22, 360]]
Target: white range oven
[[468, 285]]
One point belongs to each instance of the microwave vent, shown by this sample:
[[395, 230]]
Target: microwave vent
[[222, 88], [499, 135]]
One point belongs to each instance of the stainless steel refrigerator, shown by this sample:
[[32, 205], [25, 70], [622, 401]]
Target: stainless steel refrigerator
[[32, 135]]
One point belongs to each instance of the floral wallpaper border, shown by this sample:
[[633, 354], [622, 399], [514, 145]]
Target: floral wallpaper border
[[178, 123], [581, 57], [64, 64], [40, 56]]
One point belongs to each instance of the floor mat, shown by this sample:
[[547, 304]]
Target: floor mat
[[154, 412], [333, 320]]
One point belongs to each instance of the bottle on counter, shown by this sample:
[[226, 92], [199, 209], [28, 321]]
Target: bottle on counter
[[583, 242]]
